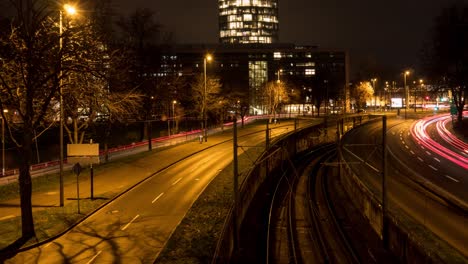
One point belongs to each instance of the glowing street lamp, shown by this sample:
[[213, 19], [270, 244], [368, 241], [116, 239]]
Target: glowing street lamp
[[208, 58], [173, 116], [70, 10], [406, 73]]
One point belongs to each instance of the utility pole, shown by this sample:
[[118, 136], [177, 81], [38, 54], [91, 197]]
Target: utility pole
[[235, 187], [384, 183]]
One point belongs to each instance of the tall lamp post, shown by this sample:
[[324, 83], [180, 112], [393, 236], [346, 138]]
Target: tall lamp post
[[208, 58], [3, 143], [173, 117], [70, 10], [406, 73]]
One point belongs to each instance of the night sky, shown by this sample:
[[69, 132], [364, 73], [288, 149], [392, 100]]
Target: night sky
[[387, 33]]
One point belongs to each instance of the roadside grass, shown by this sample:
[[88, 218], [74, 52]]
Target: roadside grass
[[50, 221], [196, 237]]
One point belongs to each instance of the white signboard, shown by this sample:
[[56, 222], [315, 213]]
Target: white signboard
[[397, 102], [74, 150]]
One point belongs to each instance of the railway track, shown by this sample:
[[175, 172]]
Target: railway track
[[303, 227]]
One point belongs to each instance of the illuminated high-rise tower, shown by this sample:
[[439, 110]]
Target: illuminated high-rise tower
[[248, 21]]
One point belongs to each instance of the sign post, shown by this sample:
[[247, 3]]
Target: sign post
[[84, 154], [77, 170]]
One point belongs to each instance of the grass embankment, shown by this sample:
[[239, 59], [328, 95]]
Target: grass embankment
[[195, 239]]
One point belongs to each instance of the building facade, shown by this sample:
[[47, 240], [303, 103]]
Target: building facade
[[310, 73], [248, 21]]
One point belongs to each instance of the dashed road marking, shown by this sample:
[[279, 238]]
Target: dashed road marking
[[437, 159], [432, 167], [453, 179], [419, 158], [428, 153], [178, 180], [412, 152], [159, 196], [95, 256], [406, 146], [127, 225]]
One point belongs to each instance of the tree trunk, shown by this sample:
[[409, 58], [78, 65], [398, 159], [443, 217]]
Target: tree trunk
[[25, 184]]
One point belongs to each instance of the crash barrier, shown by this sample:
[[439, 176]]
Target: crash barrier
[[267, 167]]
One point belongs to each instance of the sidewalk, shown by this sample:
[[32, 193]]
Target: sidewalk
[[110, 180]]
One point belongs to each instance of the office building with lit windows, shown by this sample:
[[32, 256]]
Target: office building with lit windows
[[248, 21], [246, 68]]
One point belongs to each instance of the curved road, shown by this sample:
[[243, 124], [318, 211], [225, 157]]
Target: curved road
[[412, 165]]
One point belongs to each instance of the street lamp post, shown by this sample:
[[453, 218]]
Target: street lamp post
[[71, 11], [173, 117], [205, 132], [406, 92], [406, 73], [3, 143]]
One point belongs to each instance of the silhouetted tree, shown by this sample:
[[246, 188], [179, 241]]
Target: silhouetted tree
[[445, 55]]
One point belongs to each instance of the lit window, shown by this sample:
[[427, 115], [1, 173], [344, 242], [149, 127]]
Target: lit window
[[309, 71], [277, 55], [247, 17]]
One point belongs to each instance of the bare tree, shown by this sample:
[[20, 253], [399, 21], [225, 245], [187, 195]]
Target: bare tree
[[205, 98], [29, 84]]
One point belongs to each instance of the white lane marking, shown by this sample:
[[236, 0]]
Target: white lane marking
[[174, 183], [403, 142], [419, 158], [437, 159], [393, 133], [159, 196], [422, 147], [197, 179], [6, 217], [453, 179], [95, 256], [409, 134], [428, 153], [406, 146], [412, 152], [432, 167], [127, 225]]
